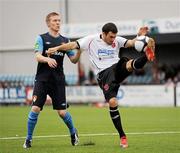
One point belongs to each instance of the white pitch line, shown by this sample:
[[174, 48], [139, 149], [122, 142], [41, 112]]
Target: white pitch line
[[93, 135]]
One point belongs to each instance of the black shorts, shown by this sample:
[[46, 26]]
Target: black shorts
[[109, 79], [56, 90]]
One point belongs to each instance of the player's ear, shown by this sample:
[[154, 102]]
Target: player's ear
[[48, 24], [104, 34]]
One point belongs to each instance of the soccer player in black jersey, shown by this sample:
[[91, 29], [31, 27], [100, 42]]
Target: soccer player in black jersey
[[50, 78]]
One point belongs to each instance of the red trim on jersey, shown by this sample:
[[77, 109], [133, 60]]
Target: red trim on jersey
[[90, 53], [113, 45], [89, 45]]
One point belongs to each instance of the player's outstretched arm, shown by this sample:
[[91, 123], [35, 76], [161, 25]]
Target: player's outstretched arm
[[74, 59], [63, 47]]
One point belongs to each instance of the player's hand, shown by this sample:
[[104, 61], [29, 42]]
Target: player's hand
[[51, 51], [51, 62], [143, 31]]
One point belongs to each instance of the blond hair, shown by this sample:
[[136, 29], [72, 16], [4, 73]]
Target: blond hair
[[50, 15]]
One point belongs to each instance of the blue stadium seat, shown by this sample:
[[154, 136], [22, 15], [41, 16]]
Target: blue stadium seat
[[71, 79]]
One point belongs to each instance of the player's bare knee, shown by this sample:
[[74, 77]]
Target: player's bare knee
[[113, 102], [129, 65], [61, 113], [35, 109]]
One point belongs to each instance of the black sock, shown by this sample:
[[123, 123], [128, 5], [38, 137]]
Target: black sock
[[115, 116], [139, 62]]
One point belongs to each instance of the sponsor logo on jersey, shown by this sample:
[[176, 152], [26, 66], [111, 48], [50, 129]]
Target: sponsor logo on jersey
[[59, 54], [48, 43], [105, 53]]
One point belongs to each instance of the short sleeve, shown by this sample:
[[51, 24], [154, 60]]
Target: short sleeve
[[84, 42], [38, 47], [71, 53], [121, 41]]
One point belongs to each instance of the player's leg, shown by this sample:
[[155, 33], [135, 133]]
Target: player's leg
[[31, 123], [38, 100], [67, 118], [137, 63], [116, 118], [110, 87], [57, 93], [125, 67]]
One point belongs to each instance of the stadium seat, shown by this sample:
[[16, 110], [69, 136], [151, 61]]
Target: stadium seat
[[71, 79]]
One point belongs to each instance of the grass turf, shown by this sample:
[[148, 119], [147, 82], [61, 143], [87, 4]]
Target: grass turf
[[92, 120]]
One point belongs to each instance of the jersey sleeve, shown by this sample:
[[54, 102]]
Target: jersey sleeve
[[121, 41], [84, 42], [71, 53], [38, 47]]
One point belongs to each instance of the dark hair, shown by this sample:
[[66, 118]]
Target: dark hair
[[109, 27]]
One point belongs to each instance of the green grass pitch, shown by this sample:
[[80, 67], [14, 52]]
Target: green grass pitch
[[161, 127]]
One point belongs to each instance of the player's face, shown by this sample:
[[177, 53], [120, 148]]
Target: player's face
[[54, 23], [109, 37]]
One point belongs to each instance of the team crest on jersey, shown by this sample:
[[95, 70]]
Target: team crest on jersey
[[34, 98], [113, 45], [106, 87]]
